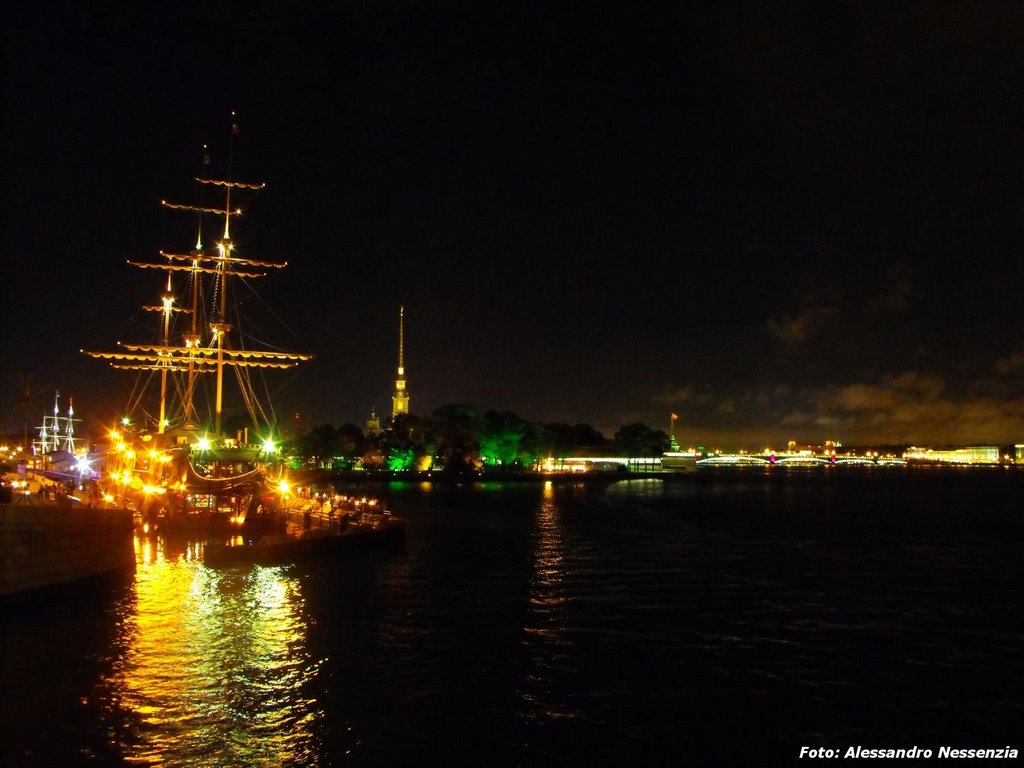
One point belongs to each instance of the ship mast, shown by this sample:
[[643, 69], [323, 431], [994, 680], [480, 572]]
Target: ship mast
[[192, 339], [69, 428], [57, 429], [166, 308], [224, 247], [193, 357]]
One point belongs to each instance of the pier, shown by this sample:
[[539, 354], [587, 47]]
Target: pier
[[51, 546]]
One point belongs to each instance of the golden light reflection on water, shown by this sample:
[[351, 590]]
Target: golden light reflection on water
[[549, 555], [545, 630], [215, 665]]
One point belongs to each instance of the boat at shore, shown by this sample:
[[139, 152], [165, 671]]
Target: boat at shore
[[192, 452]]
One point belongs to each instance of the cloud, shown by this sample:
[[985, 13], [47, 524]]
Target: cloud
[[890, 393], [859, 398], [913, 407], [895, 293], [674, 396], [1011, 364], [797, 330]]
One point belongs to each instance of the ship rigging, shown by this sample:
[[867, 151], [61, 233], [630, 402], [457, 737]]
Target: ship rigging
[[56, 433], [195, 351], [189, 452]]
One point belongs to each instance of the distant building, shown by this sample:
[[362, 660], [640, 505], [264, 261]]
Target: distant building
[[373, 423], [400, 400], [828, 448], [976, 454]]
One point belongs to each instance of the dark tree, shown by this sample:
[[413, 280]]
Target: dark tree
[[640, 440], [572, 440], [350, 445], [320, 444], [458, 427]]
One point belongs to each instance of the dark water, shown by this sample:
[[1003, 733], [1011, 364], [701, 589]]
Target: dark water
[[722, 619]]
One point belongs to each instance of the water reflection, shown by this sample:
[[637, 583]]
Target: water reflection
[[546, 630], [549, 555], [214, 668]]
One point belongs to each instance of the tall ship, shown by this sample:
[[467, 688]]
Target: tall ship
[[57, 432], [198, 441]]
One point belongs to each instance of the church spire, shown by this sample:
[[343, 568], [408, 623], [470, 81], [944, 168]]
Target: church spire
[[400, 400], [401, 340]]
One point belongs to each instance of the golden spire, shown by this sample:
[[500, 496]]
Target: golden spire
[[401, 340], [400, 399]]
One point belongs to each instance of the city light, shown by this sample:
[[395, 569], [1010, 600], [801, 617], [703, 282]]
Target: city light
[[979, 454]]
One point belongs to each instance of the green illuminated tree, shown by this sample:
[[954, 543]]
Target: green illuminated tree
[[402, 458], [463, 440], [501, 439], [405, 441]]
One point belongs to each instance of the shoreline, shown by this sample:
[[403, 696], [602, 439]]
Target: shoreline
[[312, 477]]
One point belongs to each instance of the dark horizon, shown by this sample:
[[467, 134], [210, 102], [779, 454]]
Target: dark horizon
[[785, 222]]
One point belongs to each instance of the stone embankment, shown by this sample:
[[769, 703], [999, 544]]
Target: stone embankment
[[48, 546]]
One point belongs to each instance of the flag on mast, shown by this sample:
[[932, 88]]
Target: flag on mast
[[675, 417]]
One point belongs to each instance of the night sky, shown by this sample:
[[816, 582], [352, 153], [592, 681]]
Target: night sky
[[778, 220]]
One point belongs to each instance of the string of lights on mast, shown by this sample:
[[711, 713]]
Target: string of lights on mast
[[192, 356]]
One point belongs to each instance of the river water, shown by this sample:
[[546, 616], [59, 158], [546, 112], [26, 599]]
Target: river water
[[726, 618]]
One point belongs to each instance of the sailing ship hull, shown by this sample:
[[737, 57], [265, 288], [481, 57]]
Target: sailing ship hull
[[180, 459]]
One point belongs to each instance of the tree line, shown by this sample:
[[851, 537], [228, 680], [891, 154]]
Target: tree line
[[459, 438]]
